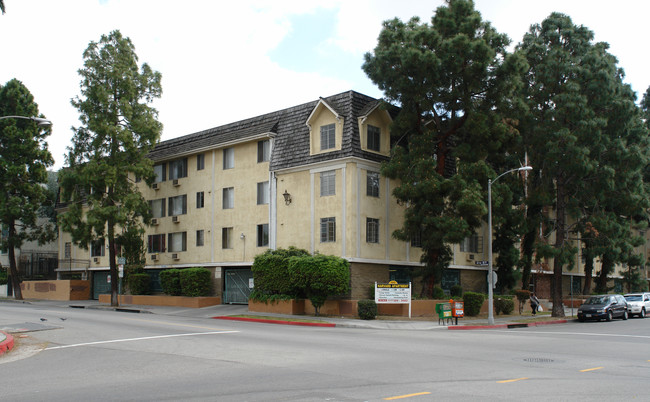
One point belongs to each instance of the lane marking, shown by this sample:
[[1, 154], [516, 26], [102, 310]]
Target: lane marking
[[392, 398], [139, 339], [591, 369], [513, 380]]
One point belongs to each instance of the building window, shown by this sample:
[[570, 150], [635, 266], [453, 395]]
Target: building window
[[416, 239], [327, 230], [263, 193], [328, 183], [372, 184], [177, 242], [157, 208], [200, 161], [178, 169], [327, 137], [262, 235], [374, 135], [263, 151], [160, 172], [67, 250], [199, 238], [372, 230], [228, 158], [226, 237], [228, 198], [97, 248], [178, 205], [200, 199], [472, 244], [156, 243]]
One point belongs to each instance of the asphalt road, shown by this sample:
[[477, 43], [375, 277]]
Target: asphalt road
[[105, 356]]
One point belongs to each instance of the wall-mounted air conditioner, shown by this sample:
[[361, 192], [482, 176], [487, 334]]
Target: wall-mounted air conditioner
[[470, 257], [176, 219], [175, 257], [155, 186], [96, 260], [176, 183], [154, 222], [154, 257]]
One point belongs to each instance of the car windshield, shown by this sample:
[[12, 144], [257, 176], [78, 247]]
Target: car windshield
[[633, 298], [598, 300]]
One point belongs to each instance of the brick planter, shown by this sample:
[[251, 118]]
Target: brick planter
[[291, 307], [162, 300]]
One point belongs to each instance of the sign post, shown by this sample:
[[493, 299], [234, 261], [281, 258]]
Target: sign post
[[393, 293]]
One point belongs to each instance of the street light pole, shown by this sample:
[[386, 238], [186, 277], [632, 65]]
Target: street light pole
[[490, 270], [39, 120]]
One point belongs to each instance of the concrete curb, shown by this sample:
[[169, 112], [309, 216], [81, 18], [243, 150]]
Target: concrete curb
[[6, 344], [511, 325], [281, 322]]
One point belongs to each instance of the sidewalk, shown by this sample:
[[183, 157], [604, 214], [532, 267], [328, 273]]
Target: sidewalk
[[382, 322]]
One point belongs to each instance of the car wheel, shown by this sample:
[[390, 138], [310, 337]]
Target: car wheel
[[642, 313], [625, 315], [581, 319], [609, 315]]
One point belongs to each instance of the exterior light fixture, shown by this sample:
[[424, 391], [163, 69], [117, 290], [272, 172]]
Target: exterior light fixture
[[287, 197], [39, 120]]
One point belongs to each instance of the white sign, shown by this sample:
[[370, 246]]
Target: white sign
[[121, 270], [494, 279], [393, 293]]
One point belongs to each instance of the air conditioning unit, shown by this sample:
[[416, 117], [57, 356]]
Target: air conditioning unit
[[96, 260], [176, 219], [176, 183], [470, 257], [175, 257], [154, 257], [155, 186], [154, 222]]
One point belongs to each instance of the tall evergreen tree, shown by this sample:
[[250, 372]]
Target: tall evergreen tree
[[454, 83], [119, 128], [24, 159]]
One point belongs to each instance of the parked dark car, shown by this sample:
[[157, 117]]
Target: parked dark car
[[603, 307]]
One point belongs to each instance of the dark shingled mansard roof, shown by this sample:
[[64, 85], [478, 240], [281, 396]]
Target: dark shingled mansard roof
[[291, 133]]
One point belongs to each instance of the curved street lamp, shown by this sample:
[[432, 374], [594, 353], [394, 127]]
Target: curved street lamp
[[490, 271], [39, 120]]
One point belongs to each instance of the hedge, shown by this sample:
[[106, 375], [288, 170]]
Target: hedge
[[367, 309], [195, 282], [170, 281], [473, 303], [139, 284]]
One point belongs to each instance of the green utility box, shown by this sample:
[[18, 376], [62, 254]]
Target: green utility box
[[444, 312]]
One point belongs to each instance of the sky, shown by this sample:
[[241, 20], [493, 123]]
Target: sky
[[224, 61]]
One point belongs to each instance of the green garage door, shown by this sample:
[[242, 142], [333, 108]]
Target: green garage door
[[101, 285], [238, 286]]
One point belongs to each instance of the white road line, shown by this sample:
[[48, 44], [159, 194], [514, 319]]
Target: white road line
[[575, 333], [140, 339]]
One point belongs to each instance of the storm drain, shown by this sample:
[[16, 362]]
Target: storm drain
[[538, 360]]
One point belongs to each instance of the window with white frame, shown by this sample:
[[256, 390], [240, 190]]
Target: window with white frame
[[327, 137], [328, 183], [228, 198], [372, 184], [263, 193], [372, 230], [177, 242], [156, 243], [472, 244], [157, 208], [263, 151], [160, 172], [199, 238], [263, 235], [97, 248], [178, 169], [178, 205], [226, 238], [200, 199], [200, 161], [374, 138], [416, 239], [328, 230], [228, 158]]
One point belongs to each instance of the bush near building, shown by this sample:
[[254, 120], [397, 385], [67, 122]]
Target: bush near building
[[170, 281], [139, 284], [367, 309], [195, 282], [473, 302]]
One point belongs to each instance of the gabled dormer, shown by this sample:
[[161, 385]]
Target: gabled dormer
[[374, 130], [325, 129]]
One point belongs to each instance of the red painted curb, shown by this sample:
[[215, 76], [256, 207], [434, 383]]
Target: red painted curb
[[281, 322], [537, 324], [7, 344]]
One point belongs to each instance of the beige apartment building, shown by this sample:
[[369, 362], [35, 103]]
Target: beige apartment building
[[306, 176]]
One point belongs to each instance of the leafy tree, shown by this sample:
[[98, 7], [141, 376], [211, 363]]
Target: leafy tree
[[24, 159], [583, 136], [119, 128], [320, 276], [456, 86]]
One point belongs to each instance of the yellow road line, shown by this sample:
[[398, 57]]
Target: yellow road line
[[513, 380], [406, 396], [591, 369]]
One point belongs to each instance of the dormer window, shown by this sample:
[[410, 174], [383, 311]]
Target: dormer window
[[327, 137], [374, 138]]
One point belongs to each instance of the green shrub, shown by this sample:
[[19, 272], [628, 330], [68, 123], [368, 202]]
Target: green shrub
[[4, 278], [522, 296], [140, 284], [371, 292], [320, 276], [367, 309], [473, 303], [195, 282], [170, 281], [438, 293], [456, 291], [504, 305], [271, 273]]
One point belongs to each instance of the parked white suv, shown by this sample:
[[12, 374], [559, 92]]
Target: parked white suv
[[638, 303]]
